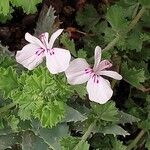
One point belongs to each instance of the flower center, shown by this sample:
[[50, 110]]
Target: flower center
[[39, 51], [93, 74]]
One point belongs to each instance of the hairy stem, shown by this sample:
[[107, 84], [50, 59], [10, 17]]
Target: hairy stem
[[130, 27], [85, 136], [5, 108], [136, 140]]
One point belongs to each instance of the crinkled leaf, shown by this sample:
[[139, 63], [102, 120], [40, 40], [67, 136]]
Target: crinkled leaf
[[8, 80], [29, 6], [134, 76], [50, 114]]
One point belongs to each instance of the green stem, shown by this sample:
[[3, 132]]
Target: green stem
[[136, 140], [85, 136], [130, 27], [5, 108], [136, 19]]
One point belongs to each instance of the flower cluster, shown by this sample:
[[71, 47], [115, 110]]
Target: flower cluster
[[77, 71]]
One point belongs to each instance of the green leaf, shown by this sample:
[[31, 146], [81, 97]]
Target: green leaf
[[69, 143], [145, 2], [133, 76], [32, 142], [69, 44], [13, 122], [4, 7], [6, 141], [29, 6], [106, 112], [87, 17], [147, 145], [73, 115], [81, 90], [50, 114], [118, 145], [82, 53], [126, 118], [51, 136], [116, 17], [45, 21], [112, 129], [134, 41], [8, 80]]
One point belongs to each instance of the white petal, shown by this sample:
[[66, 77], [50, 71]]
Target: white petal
[[28, 57], [54, 37], [33, 40], [44, 38], [105, 64], [59, 61], [97, 57], [100, 91], [76, 71], [111, 74]]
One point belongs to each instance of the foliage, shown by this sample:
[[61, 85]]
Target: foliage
[[40, 110], [7, 7]]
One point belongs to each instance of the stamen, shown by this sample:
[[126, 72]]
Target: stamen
[[95, 78], [39, 51], [88, 70]]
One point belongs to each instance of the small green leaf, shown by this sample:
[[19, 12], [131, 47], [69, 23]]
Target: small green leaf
[[106, 112], [116, 17], [82, 53], [69, 44], [81, 90], [8, 80], [133, 76]]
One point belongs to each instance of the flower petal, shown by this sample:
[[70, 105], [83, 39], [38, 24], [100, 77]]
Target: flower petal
[[97, 57], [99, 91], [76, 71], [57, 60], [33, 40], [111, 74], [54, 37], [44, 39], [105, 64], [29, 57]]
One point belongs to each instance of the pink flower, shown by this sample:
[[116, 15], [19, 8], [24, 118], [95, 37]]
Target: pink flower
[[31, 55], [98, 88]]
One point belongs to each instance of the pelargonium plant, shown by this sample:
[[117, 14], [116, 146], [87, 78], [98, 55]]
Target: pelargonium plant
[[54, 94]]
